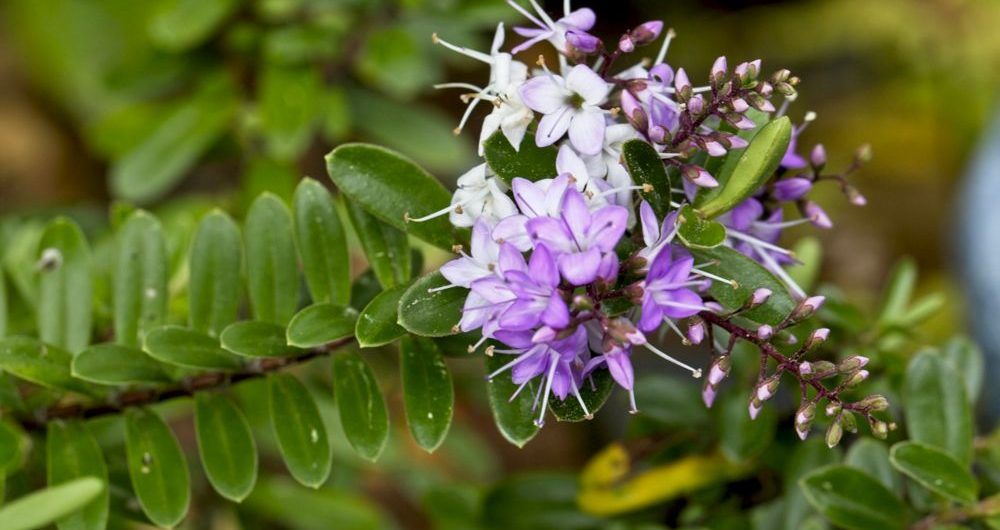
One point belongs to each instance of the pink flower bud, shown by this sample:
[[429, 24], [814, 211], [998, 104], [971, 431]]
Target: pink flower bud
[[714, 148], [852, 363], [855, 196], [626, 44], [657, 134], [740, 105], [817, 157], [719, 68], [737, 142], [817, 337], [754, 407], [765, 332], [696, 331], [719, 370], [816, 215], [582, 41], [759, 297], [681, 81], [699, 176], [708, 393], [647, 32], [696, 105], [805, 368]]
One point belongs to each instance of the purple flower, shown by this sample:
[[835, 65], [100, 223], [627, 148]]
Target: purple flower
[[571, 104], [791, 189], [581, 238], [793, 160], [655, 235], [482, 263], [535, 286], [667, 292], [554, 31], [533, 199], [618, 360]]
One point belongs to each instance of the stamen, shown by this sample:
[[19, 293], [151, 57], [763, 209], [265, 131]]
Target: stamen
[[579, 399], [673, 326], [759, 243], [467, 86], [647, 188], [554, 360], [666, 156], [521, 358], [715, 277], [786, 224], [779, 271], [442, 288], [666, 46], [473, 347], [479, 56], [541, 12], [517, 7], [631, 402], [695, 372], [457, 207]]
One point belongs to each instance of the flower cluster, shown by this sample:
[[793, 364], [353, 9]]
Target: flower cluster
[[576, 272]]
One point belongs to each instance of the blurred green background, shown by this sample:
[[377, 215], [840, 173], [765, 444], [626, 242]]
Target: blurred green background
[[187, 103]]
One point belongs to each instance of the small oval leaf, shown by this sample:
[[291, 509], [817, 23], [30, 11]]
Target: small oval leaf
[[935, 470], [732, 265], [320, 324], [226, 445], [853, 499], [322, 244], [392, 188], [361, 406], [50, 505], [428, 312], [64, 286], [190, 349], [646, 167], [377, 323], [696, 232], [216, 265], [594, 392], [937, 411], [272, 273], [157, 467], [115, 364], [428, 394], [140, 278], [73, 453], [387, 249], [299, 428], [42, 364], [528, 161], [513, 415], [252, 338]]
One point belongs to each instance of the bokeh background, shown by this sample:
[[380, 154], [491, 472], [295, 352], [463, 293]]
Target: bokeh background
[[183, 104]]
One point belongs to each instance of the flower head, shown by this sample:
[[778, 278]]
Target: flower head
[[569, 104]]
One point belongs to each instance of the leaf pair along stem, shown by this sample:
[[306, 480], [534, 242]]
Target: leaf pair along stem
[[185, 388]]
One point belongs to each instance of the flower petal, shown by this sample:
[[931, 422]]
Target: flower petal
[[512, 230], [650, 225], [542, 267], [586, 131], [463, 271], [583, 19], [570, 163], [620, 367], [651, 316], [511, 259], [556, 314], [545, 94], [606, 227], [585, 82], [580, 268], [552, 127]]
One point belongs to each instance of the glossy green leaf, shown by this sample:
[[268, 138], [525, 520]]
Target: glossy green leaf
[[190, 349], [320, 324], [805, 457], [721, 167], [272, 271], [742, 438], [47, 506], [73, 453], [288, 105], [64, 286], [515, 418], [594, 391], [937, 411], [935, 470], [646, 167], [852, 499], [322, 244], [157, 467], [750, 275], [428, 394], [299, 428], [528, 161], [364, 289], [140, 278], [697, 232], [361, 406], [181, 25], [429, 313], [898, 291], [115, 364], [754, 167], [387, 249], [253, 338], [872, 457], [392, 188], [377, 323], [40, 363], [163, 158], [216, 266], [966, 358], [10, 447], [226, 444]]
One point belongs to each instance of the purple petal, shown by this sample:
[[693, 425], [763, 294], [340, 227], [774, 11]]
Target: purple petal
[[583, 19], [586, 131], [463, 271], [651, 316], [482, 241], [682, 296], [791, 189], [660, 266], [650, 225], [562, 381], [580, 268], [511, 259], [550, 232], [576, 215], [608, 270], [606, 227], [620, 367], [521, 315], [512, 231], [679, 270], [530, 368], [544, 94], [542, 267], [556, 314]]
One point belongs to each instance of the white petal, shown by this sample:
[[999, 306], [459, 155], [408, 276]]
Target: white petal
[[585, 82], [568, 162], [586, 132], [545, 93], [552, 127]]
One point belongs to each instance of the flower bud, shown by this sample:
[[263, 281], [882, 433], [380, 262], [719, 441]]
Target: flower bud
[[791, 189], [848, 422], [699, 176], [626, 44], [833, 408], [647, 32], [765, 89], [816, 215], [754, 407], [767, 388], [791, 339], [582, 41], [874, 403], [658, 134], [625, 332], [833, 434], [713, 147], [864, 153], [855, 196], [759, 297], [804, 419], [852, 363], [880, 429], [806, 308], [682, 85], [719, 370], [740, 121], [708, 393], [719, 68], [805, 368], [735, 142], [856, 378], [765, 332], [544, 334], [696, 105], [816, 338], [817, 157], [739, 105], [696, 331]]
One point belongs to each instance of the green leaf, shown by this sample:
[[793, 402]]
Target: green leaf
[[528, 162], [754, 167], [322, 244], [140, 278], [387, 249], [190, 349], [272, 271], [937, 411], [157, 467], [226, 444], [393, 61], [163, 158], [898, 291], [64, 286], [935, 470], [852, 499], [742, 438], [320, 324], [805, 457], [3, 304], [47, 506], [429, 313], [537, 501], [515, 418], [809, 252], [967, 359], [40, 363], [298, 426], [428, 395], [288, 104], [646, 167], [750, 275], [392, 187], [594, 391], [216, 265], [10, 448], [114, 364], [377, 323], [282, 500], [181, 25], [73, 453], [697, 232], [361, 406], [872, 457], [253, 338]]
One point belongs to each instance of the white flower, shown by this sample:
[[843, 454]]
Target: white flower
[[553, 31], [480, 263], [607, 165], [569, 104], [480, 195]]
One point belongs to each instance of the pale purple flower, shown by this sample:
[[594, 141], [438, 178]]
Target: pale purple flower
[[617, 358], [667, 291], [534, 199], [571, 104], [793, 160], [535, 286], [579, 237], [791, 189], [554, 31], [480, 263], [655, 236]]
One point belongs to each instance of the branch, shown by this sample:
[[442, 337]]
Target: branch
[[185, 388]]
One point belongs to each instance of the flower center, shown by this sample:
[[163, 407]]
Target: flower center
[[575, 100]]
